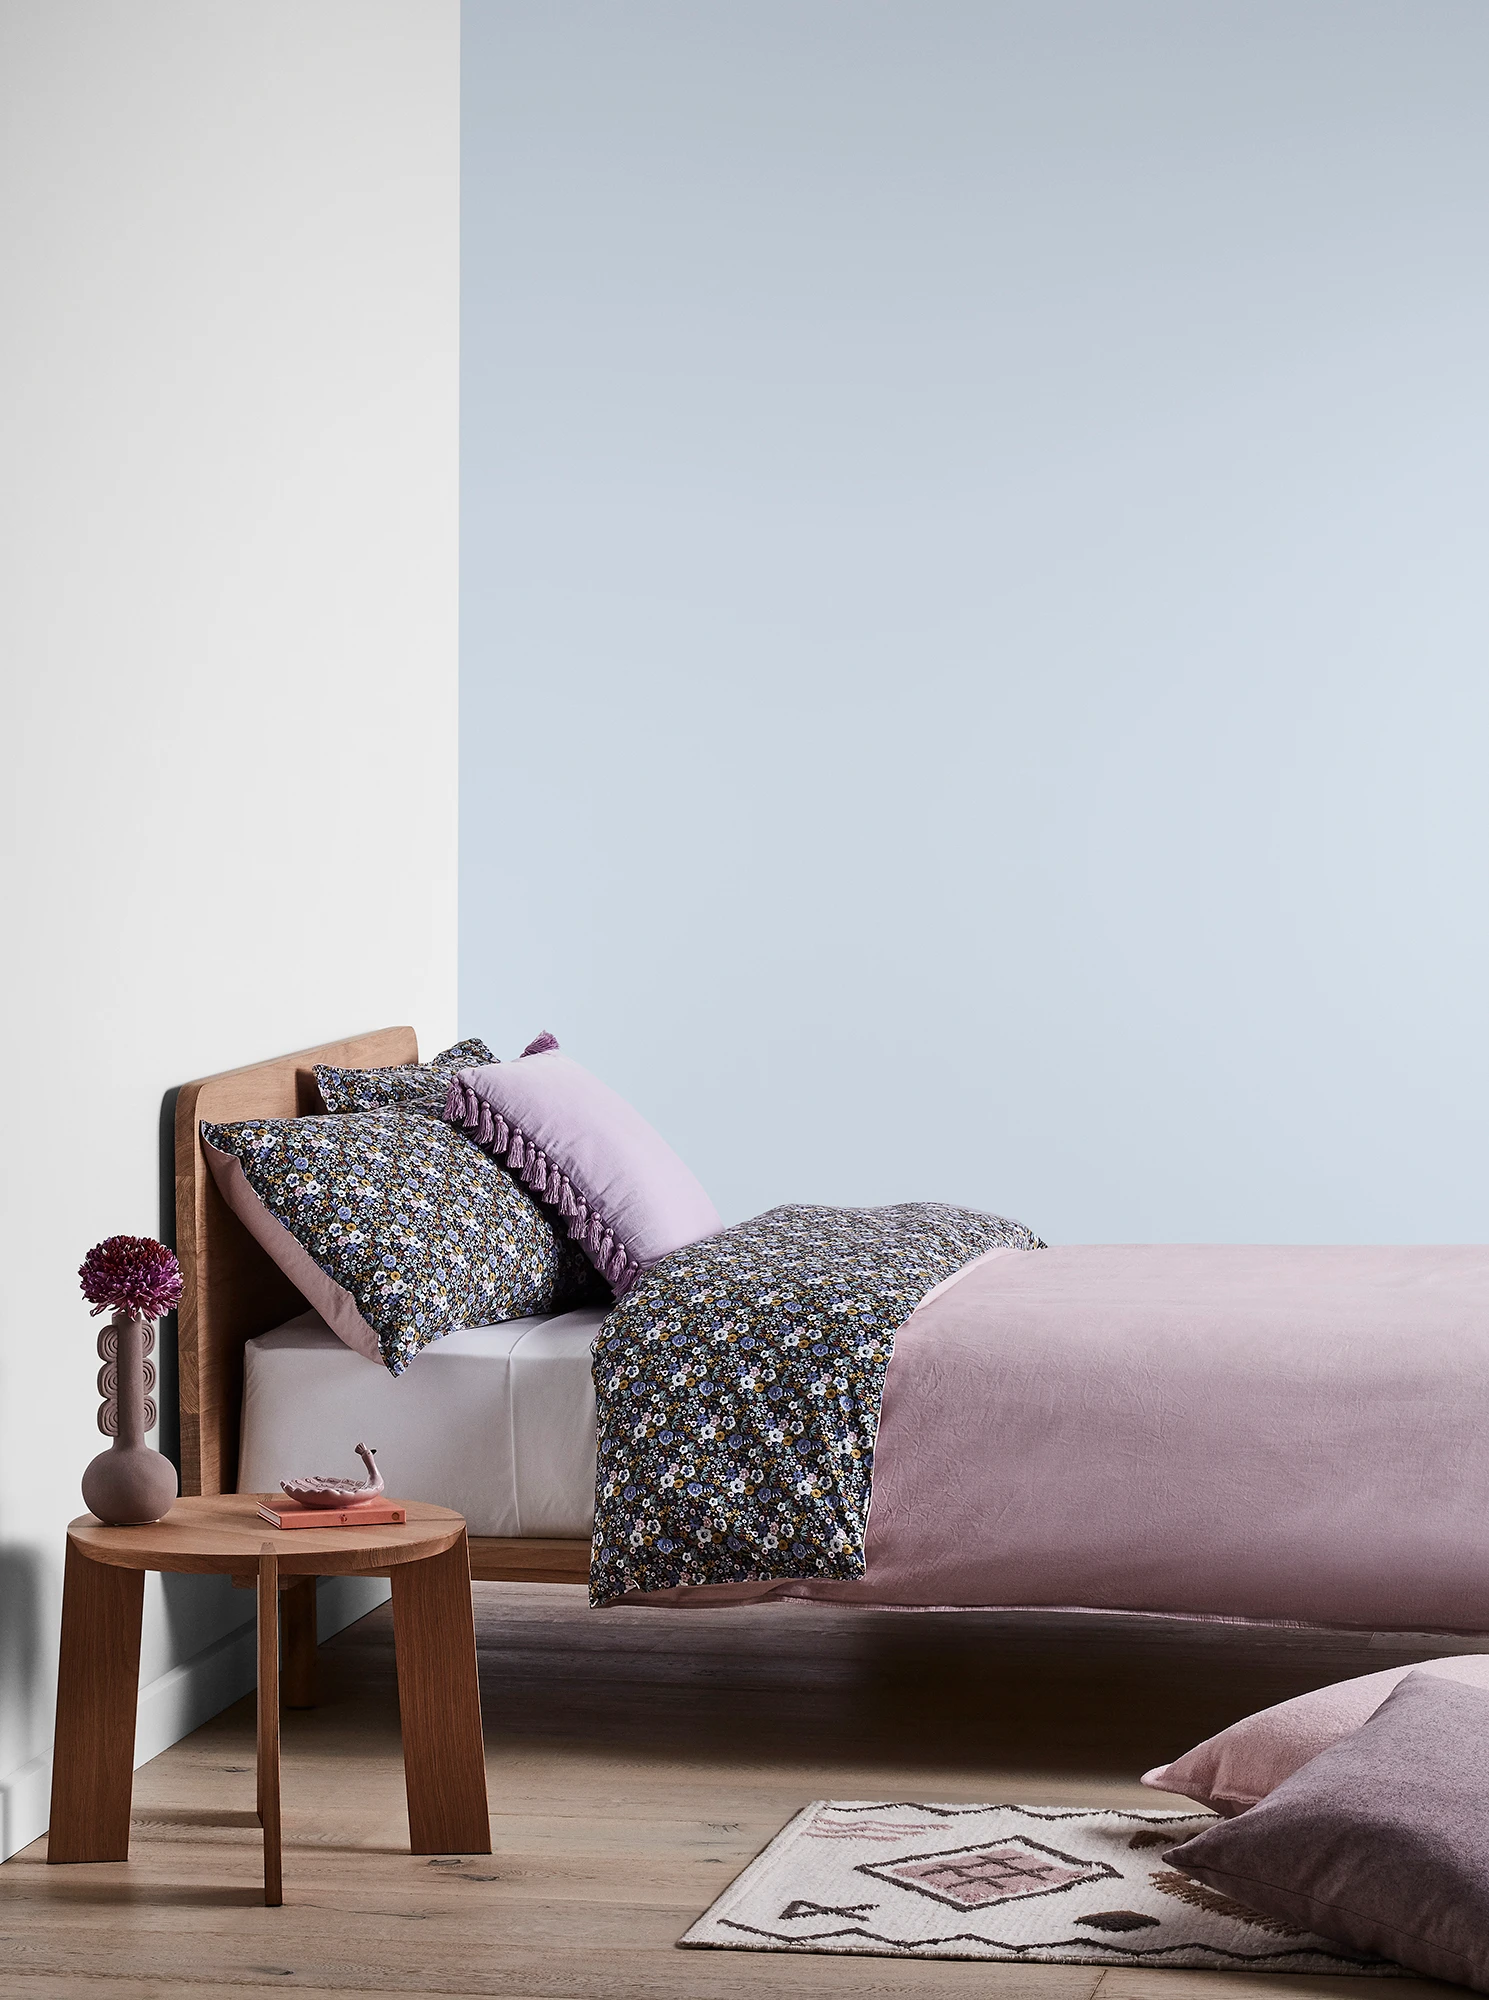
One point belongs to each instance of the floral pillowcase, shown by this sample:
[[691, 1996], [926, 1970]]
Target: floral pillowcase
[[394, 1226], [411, 1086]]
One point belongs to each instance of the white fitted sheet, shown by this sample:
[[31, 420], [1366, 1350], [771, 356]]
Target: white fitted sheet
[[495, 1421]]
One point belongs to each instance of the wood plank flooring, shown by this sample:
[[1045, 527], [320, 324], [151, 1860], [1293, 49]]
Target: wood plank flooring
[[636, 1760]]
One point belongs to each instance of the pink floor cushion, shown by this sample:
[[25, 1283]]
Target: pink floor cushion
[[1231, 1771], [617, 1186]]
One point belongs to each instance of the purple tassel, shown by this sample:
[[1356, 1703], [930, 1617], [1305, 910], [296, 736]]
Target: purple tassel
[[502, 1133], [515, 1153], [537, 1173], [541, 1046], [566, 1204], [485, 1130]]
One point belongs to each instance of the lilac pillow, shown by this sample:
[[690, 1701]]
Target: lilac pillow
[[1231, 1771], [618, 1187], [1380, 1843]]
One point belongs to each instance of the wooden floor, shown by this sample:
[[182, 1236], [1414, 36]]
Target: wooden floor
[[637, 1760]]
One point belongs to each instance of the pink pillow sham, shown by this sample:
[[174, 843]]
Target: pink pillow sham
[[620, 1190], [1241, 1765]]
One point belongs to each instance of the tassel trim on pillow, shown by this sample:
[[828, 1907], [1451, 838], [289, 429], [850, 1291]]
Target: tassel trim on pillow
[[472, 1113]]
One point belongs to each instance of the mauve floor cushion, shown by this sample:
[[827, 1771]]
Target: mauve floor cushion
[[1231, 1771], [1381, 1842]]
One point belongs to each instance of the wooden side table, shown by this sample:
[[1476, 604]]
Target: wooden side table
[[434, 1633]]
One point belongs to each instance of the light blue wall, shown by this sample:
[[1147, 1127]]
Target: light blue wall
[[976, 619]]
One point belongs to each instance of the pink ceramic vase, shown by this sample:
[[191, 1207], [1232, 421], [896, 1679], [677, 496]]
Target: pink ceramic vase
[[129, 1483]]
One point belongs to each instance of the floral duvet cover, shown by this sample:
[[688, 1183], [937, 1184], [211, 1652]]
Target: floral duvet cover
[[738, 1387]]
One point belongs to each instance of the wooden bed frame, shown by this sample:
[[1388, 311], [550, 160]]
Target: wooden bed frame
[[233, 1291]]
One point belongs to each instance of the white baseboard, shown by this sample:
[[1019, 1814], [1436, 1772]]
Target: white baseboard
[[182, 1699], [25, 1799]]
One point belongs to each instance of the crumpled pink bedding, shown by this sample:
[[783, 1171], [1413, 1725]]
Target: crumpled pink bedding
[[1276, 1433]]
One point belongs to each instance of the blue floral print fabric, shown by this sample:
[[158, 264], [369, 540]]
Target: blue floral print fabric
[[738, 1386], [411, 1086], [423, 1229]]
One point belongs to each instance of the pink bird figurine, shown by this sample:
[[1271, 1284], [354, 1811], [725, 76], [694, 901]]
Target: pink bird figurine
[[321, 1490]]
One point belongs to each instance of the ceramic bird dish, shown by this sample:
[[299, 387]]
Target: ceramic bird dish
[[321, 1490]]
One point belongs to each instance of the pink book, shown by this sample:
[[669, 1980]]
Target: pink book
[[376, 1514]]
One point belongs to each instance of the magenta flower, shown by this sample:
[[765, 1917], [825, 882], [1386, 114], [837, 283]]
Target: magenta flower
[[132, 1274]]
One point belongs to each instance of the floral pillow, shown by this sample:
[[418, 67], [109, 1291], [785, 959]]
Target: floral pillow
[[394, 1226], [413, 1086]]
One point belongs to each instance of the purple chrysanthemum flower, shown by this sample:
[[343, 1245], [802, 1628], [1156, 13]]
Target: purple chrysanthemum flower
[[132, 1274]]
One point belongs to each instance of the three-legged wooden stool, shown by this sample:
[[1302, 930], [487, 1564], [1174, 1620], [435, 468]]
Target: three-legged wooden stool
[[434, 1632]]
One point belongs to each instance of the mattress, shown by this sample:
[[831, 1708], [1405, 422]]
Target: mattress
[[497, 1422]]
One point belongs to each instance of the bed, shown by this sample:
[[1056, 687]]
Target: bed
[[1291, 1434]]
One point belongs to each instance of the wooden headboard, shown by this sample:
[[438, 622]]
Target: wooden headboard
[[232, 1291]]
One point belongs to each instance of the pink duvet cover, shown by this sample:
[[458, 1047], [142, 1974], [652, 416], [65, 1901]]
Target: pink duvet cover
[[1264, 1433]]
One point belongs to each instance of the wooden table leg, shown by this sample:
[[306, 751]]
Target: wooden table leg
[[439, 1704], [297, 1616], [97, 1691], [268, 1723]]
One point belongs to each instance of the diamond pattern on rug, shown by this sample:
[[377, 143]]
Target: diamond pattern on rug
[[975, 1878], [1033, 1885]]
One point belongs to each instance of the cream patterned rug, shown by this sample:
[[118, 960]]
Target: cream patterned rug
[[1041, 1885]]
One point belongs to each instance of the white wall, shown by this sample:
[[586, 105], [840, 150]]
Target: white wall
[[974, 623], [228, 344]]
